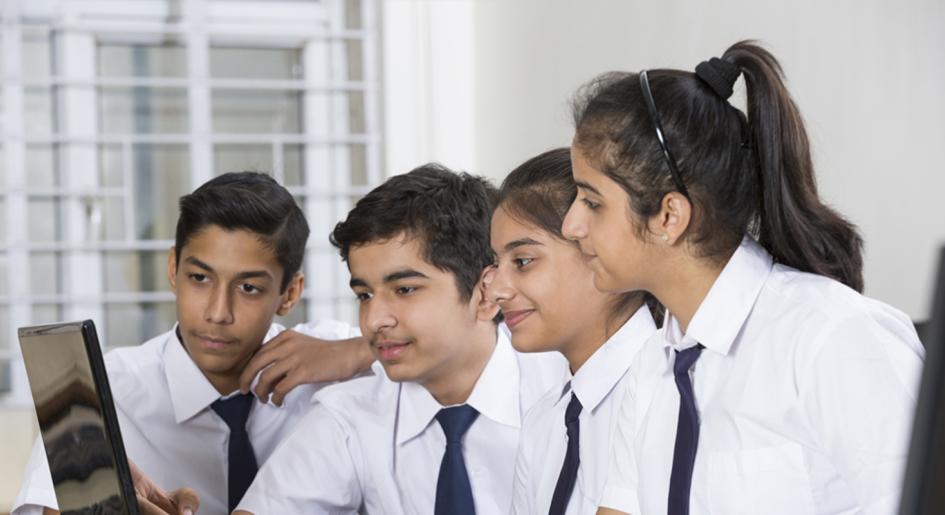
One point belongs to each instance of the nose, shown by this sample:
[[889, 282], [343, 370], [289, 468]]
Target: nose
[[499, 289], [574, 226], [376, 316], [219, 308]]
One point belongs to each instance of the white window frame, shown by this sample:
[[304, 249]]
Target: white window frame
[[318, 26]]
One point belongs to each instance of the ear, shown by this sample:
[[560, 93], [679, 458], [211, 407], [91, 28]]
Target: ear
[[292, 294], [486, 310], [670, 224], [172, 269]]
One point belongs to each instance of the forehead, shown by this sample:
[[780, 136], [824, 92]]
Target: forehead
[[372, 262], [237, 249], [507, 229]]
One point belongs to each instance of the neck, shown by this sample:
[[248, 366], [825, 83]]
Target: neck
[[579, 350], [686, 284], [456, 379], [224, 383]]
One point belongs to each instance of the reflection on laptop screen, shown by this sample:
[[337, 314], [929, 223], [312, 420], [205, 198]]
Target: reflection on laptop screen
[[71, 420]]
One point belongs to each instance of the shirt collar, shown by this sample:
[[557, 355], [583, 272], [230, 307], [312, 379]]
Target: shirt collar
[[604, 369], [495, 395], [725, 309], [191, 391]]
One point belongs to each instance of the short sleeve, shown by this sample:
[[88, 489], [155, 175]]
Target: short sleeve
[[858, 390], [37, 490], [328, 330], [312, 471]]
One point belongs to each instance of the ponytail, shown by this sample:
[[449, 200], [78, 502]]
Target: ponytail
[[742, 177], [794, 225]]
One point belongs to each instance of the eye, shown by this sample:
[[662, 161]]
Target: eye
[[590, 205], [198, 278], [405, 290], [521, 263], [363, 296], [250, 289]]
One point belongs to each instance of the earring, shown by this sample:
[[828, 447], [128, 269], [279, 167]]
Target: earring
[[665, 237]]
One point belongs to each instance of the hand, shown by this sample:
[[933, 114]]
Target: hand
[[292, 358], [152, 500]]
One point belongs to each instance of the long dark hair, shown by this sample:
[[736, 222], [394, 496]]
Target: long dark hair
[[540, 192], [751, 175]]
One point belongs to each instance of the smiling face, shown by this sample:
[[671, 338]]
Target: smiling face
[[227, 288], [601, 222], [544, 288], [419, 327]]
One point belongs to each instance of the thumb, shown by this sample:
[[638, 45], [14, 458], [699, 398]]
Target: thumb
[[186, 500]]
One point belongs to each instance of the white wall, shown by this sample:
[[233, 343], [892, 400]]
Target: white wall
[[869, 77]]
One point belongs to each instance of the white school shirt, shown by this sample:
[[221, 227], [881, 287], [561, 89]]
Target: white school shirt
[[168, 428], [373, 446], [805, 392], [599, 386]]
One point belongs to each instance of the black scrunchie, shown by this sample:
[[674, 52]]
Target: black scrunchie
[[719, 74]]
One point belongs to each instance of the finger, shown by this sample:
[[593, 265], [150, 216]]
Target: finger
[[186, 500], [271, 376], [286, 385], [146, 507], [265, 356]]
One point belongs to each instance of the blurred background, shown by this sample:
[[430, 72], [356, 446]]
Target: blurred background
[[112, 109]]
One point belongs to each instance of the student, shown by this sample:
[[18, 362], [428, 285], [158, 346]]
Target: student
[[234, 266], [547, 296], [435, 429], [777, 387]]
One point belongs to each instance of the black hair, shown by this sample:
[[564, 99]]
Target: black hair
[[540, 192], [250, 201], [751, 175], [447, 212]]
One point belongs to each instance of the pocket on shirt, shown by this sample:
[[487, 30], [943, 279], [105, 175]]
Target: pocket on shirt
[[770, 480]]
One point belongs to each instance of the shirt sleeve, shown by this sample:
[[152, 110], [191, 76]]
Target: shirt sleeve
[[37, 490], [312, 471], [620, 490], [328, 330], [859, 392]]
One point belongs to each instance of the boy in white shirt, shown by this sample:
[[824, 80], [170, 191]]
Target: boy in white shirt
[[235, 265], [436, 427]]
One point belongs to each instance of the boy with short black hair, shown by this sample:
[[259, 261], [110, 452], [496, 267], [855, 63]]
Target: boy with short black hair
[[435, 428], [235, 265]]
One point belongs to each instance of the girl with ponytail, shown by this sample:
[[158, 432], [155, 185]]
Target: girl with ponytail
[[774, 386]]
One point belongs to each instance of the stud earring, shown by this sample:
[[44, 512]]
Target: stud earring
[[665, 237]]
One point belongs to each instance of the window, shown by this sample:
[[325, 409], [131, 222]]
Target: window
[[113, 109]]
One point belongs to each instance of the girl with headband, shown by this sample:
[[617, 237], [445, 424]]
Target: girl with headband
[[774, 386]]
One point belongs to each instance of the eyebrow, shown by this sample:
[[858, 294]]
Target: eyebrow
[[585, 186], [389, 278], [512, 245], [251, 274]]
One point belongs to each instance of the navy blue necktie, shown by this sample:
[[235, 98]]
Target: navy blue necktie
[[687, 433], [572, 459], [453, 492], [242, 461]]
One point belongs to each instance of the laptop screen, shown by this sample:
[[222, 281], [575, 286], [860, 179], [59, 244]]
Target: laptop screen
[[923, 490], [66, 376]]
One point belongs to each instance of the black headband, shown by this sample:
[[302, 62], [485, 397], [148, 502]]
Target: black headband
[[655, 118], [719, 74]]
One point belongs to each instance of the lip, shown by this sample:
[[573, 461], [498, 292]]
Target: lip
[[390, 350], [214, 342], [513, 318]]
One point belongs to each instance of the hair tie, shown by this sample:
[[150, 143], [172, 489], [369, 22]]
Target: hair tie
[[719, 74]]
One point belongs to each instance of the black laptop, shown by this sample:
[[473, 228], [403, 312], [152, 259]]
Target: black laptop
[[77, 419], [923, 490]]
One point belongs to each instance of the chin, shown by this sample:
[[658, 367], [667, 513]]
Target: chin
[[398, 372], [526, 345]]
